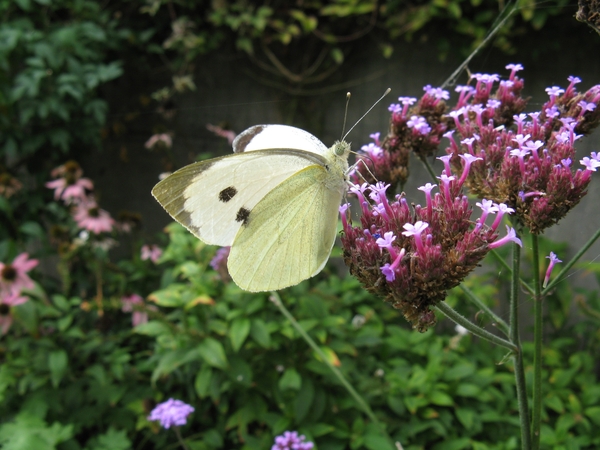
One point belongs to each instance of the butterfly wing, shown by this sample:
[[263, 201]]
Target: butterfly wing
[[213, 198], [289, 234], [261, 137]]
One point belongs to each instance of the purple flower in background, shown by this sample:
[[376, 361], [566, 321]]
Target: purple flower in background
[[290, 440], [172, 412]]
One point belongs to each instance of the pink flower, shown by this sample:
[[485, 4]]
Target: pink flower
[[69, 186], [128, 302], [222, 132], [5, 319], [73, 192], [134, 304], [151, 252], [89, 216], [14, 278], [159, 139]]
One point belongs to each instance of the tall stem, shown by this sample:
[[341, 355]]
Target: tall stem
[[518, 357], [537, 347], [361, 402]]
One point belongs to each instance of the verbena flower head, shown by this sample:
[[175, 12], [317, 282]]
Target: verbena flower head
[[526, 160], [411, 256], [172, 412], [290, 440], [415, 126]]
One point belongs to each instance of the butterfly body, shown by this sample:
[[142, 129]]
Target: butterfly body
[[274, 201]]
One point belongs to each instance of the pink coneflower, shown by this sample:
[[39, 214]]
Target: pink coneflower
[[159, 139], [70, 187], [89, 216], [14, 278], [222, 132], [151, 252], [134, 304]]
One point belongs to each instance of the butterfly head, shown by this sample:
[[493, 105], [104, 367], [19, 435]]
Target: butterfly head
[[341, 149]]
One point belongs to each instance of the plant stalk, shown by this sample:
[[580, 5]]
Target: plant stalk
[[501, 324], [518, 357], [453, 315], [537, 347], [276, 299]]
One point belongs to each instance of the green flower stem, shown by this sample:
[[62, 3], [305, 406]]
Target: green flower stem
[[429, 169], [518, 356], [365, 407], [570, 264], [447, 310], [180, 439], [537, 346], [503, 263], [501, 324]]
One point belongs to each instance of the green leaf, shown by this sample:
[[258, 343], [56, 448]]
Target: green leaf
[[111, 440], [213, 353], [238, 332], [260, 333], [593, 412], [440, 398], [304, 399], [202, 382], [466, 417], [32, 229], [291, 379], [153, 328], [29, 432], [57, 363]]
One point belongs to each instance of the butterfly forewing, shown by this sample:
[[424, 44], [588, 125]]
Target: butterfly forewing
[[214, 198], [289, 234]]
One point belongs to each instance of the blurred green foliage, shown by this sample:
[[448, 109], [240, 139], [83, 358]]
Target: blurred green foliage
[[71, 380]]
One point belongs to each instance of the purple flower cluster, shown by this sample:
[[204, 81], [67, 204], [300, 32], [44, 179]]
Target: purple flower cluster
[[519, 164], [529, 165], [411, 256], [172, 412], [290, 440]]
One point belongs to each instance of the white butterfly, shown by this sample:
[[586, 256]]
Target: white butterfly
[[275, 201]]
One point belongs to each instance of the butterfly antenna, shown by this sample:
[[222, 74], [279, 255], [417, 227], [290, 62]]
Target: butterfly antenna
[[348, 95], [387, 91]]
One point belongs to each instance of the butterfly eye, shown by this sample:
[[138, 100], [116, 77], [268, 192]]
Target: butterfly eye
[[341, 148]]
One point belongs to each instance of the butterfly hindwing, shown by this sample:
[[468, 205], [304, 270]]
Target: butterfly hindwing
[[289, 234], [261, 137], [214, 198]]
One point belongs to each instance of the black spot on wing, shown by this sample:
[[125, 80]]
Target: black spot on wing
[[227, 194], [242, 215], [240, 142]]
